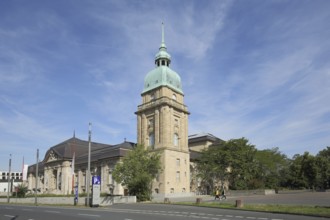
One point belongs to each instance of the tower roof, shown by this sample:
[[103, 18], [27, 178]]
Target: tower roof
[[162, 75]]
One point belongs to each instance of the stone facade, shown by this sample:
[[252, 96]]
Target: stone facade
[[165, 121], [57, 177], [162, 126]]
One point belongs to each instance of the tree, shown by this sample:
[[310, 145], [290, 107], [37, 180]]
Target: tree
[[323, 163], [296, 179], [271, 163], [137, 171], [230, 161], [303, 172], [21, 190], [310, 170]]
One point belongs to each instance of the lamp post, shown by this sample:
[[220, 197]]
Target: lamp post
[[89, 163], [9, 179], [37, 171]]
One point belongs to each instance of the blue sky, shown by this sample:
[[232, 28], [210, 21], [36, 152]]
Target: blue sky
[[255, 69]]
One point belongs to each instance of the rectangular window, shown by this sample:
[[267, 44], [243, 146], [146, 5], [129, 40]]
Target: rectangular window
[[110, 178], [178, 176], [177, 162], [150, 123], [176, 140]]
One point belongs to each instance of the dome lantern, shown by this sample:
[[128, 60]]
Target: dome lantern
[[162, 75]]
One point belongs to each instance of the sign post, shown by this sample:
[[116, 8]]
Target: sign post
[[96, 180], [75, 195]]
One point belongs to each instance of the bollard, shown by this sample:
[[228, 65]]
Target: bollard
[[239, 203], [198, 200], [167, 200]]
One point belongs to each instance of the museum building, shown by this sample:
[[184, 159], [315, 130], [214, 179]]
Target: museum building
[[162, 126]]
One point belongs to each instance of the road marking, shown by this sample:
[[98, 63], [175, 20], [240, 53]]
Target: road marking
[[239, 216], [50, 211], [263, 218], [9, 216], [251, 217], [9, 208], [90, 215]]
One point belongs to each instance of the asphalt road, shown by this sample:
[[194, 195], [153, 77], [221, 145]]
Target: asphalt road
[[147, 211], [136, 212]]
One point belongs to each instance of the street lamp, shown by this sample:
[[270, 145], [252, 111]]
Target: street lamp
[[9, 179], [89, 162], [37, 171]]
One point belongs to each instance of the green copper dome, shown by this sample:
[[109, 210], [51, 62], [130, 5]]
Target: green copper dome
[[162, 75]]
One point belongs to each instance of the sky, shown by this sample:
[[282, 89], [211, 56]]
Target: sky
[[255, 69]]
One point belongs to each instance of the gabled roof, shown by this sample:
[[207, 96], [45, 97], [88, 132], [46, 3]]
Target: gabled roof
[[119, 150], [66, 149]]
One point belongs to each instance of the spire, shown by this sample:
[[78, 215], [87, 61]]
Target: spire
[[162, 57], [162, 45]]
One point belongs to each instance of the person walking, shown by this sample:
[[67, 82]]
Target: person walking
[[217, 194], [223, 195]]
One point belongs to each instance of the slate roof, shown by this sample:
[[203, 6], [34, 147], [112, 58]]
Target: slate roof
[[99, 151], [203, 137]]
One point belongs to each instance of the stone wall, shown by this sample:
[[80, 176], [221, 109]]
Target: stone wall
[[105, 201]]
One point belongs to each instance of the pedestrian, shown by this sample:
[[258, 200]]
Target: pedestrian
[[223, 195], [217, 195]]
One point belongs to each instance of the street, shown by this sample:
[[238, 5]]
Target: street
[[137, 212]]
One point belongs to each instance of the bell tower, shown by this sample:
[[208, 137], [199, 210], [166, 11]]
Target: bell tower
[[162, 125]]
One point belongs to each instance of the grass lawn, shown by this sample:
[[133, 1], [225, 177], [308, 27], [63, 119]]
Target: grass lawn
[[292, 209]]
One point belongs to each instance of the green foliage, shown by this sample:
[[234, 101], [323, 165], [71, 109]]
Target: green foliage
[[323, 163], [308, 171], [244, 167], [21, 190], [271, 162], [137, 171], [232, 161]]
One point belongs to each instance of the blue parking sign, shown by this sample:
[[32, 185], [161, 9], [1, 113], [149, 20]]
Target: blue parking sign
[[96, 180]]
